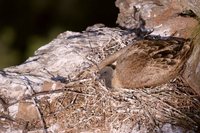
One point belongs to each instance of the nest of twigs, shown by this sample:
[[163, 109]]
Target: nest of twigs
[[96, 108], [85, 104]]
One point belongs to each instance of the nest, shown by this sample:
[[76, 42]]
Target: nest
[[86, 105], [97, 108], [90, 106]]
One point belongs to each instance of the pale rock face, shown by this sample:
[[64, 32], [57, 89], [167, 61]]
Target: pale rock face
[[160, 16], [192, 4]]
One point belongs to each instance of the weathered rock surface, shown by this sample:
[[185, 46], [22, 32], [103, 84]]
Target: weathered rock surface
[[163, 17], [194, 5], [44, 94]]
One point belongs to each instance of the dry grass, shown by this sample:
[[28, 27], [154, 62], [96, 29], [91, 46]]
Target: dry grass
[[87, 105]]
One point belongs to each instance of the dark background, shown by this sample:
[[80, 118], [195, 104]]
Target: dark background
[[25, 25]]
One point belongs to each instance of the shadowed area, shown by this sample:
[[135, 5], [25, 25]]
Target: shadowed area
[[27, 25]]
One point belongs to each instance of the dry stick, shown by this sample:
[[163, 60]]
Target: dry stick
[[69, 85], [58, 91], [146, 110], [178, 111], [4, 104], [109, 60], [40, 115], [34, 99], [25, 130], [70, 104], [79, 74], [7, 117]]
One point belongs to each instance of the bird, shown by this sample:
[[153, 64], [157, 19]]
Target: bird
[[106, 74], [145, 63]]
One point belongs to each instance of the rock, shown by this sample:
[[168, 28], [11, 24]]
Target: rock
[[160, 16], [193, 5]]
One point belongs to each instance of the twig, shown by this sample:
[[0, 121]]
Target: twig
[[7, 117], [25, 130], [40, 115], [56, 91], [34, 99], [173, 109], [4, 104]]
